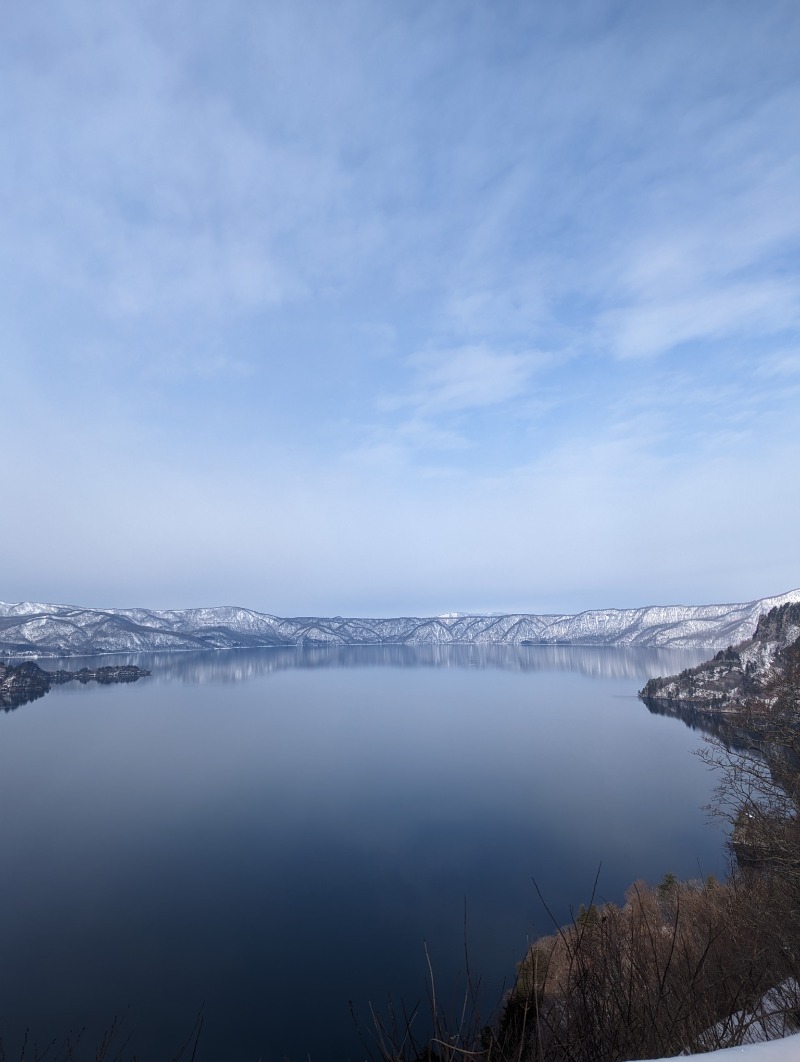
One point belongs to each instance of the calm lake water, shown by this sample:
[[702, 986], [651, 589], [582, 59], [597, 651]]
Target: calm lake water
[[271, 834]]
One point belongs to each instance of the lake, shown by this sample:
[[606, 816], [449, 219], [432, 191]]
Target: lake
[[270, 834]]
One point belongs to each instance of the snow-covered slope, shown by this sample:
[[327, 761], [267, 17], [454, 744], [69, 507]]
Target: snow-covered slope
[[33, 629], [787, 1050], [735, 674]]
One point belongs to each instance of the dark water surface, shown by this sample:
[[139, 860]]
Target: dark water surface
[[273, 833]]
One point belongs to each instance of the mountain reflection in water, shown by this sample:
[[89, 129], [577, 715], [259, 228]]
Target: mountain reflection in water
[[239, 665]]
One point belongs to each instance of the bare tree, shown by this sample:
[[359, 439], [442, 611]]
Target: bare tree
[[758, 793]]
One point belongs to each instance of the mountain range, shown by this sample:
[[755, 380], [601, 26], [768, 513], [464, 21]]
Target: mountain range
[[30, 629]]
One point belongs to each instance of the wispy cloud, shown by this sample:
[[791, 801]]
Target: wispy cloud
[[781, 363], [656, 325], [464, 378]]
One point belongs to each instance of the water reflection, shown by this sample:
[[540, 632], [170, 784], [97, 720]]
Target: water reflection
[[240, 665], [277, 831], [703, 720]]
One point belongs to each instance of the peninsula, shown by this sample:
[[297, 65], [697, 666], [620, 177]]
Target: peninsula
[[27, 681]]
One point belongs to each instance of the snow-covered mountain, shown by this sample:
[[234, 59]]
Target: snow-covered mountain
[[30, 629]]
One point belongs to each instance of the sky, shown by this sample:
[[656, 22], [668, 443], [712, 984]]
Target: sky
[[378, 307]]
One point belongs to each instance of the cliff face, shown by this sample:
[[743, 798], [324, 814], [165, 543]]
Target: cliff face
[[779, 625], [735, 674]]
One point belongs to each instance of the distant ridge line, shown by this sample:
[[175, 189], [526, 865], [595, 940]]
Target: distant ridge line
[[33, 629]]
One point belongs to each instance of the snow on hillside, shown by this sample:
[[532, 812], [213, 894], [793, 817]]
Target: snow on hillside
[[787, 1050], [29, 629], [735, 674]]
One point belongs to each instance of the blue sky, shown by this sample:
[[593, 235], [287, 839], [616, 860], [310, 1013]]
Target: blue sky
[[379, 307]]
